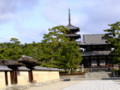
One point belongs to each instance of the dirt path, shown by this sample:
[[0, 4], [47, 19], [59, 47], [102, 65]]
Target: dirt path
[[55, 86]]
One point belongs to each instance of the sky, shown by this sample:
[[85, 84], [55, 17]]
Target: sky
[[29, 20]]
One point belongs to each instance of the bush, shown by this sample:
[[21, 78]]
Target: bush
[[117, 72]]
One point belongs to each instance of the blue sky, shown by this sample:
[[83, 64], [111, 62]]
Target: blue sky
[[28, 20]]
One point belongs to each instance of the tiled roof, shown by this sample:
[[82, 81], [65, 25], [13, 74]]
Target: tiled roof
[[93, 39], [72, 35], [23, 68], [54, 69], [4, 68], [95, 53], [28, 61], [71, 27], [45, 69], [10, 62]]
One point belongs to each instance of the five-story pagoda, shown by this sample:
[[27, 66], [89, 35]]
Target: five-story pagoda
[[72, 33]]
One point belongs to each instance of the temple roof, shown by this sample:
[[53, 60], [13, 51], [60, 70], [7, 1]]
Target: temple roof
[[10, 63], [89, 39], [28, 61], [95, 53]]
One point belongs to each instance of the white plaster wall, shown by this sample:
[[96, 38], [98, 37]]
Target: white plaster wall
[[2, 79], [23, 77], [43, 76]]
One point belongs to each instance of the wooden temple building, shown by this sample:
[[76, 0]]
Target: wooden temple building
[[95, 50]]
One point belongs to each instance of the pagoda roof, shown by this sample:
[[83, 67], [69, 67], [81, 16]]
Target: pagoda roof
[[71, 27], [96, 53], [93, 39], [73, 35]]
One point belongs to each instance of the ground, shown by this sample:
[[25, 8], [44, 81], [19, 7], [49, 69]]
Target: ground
[[81, 85], [95, 85], [55, 86], [92, 81]]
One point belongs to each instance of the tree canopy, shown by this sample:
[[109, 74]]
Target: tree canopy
[[113, 37], [11, 50], [55, 50], [59, 51]]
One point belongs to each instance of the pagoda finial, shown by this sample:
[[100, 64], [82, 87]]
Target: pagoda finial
[[69, 17]]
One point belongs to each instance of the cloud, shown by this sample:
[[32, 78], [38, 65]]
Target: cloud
[[29, 34], [32, 18], [6, 17], [100, 14], [8, 8], [91, 16]]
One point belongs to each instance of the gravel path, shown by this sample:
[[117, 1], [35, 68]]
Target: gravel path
[[80, 85], [55, 86], [95, 85]]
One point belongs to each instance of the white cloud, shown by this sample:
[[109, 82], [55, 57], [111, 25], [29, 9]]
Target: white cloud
[[92, 16], [8, 8], [7, 17]]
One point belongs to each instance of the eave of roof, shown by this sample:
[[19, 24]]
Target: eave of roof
[[84, 44], [96, 53], [72, 35], [71, 27], [45, 69], [10, 63], [23, 68]]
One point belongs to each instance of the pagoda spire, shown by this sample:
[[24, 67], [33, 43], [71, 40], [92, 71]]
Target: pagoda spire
[[69, 17], [71, 33]]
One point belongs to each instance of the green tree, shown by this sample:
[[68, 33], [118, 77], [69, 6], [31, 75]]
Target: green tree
[[70, 56], [59, 51], [2, 50], [113, 38], [15, 41], [11, 50], [32, 50]]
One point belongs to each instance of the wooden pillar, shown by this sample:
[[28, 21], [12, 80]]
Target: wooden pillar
[[98, 61], [90, 61], [6, 78], [11, 77], [16, 80], [30, 76], [106, 60]]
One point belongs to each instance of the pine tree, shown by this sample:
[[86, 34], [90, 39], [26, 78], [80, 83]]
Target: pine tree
[[59, 51], [113, 38]]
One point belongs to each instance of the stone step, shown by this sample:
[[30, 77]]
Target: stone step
[[97, 75]]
